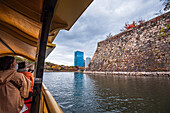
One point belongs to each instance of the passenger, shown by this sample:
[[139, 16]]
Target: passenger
[[31, 69], [14, 86], [22, 69]]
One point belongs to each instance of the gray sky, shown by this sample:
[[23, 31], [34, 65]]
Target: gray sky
[[101, 18]]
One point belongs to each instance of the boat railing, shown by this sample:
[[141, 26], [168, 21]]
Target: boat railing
[[48, 103]]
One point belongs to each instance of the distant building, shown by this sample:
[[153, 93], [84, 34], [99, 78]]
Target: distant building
[[78, 58], [88, 59], [84, 63]]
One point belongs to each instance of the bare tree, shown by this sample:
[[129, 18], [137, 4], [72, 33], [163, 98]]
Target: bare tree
[[166, 3], [159, 13], [108, 36], [140, 20]]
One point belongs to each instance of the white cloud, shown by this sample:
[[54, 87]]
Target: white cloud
[[101, 18]]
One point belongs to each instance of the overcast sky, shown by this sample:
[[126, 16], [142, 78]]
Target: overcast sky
[[101, 18]]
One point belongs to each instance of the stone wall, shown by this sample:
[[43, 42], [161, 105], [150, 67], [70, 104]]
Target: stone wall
[[145, 47]]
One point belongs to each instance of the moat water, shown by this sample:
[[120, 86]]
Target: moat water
[[83, 93]]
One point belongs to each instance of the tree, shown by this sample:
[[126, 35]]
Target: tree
[[133, 24], [76, 67], [28, 61], [108, 36], [18, 59], [140, 21], [47, 63], [166, 3], [57, 67]]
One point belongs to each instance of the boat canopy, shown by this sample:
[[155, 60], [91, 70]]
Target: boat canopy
[[21, 24]]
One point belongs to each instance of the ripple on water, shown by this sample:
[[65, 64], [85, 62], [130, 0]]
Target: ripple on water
[[82, 93]]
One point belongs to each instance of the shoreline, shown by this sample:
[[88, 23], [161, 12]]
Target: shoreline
[[62, 71], [163, 74]]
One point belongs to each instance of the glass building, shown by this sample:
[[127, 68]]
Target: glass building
[[88, 59], [78, 58]]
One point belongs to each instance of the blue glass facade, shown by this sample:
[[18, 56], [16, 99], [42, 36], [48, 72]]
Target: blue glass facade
[[87, 61], [78, 58]]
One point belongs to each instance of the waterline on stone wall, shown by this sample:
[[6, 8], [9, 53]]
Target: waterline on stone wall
[[165, 74]]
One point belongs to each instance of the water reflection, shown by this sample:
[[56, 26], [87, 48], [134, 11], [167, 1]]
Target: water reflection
[[78, 91], [130, 93], [82, 93], [78, 85]]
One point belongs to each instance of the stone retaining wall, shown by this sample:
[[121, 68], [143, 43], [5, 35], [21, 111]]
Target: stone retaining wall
[[145, 47], [157, 74]]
